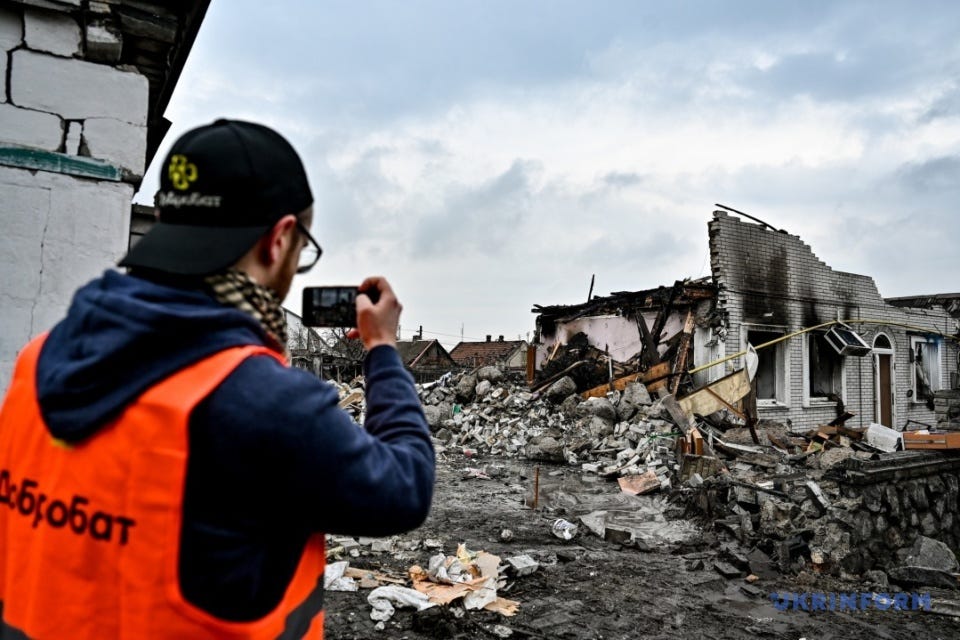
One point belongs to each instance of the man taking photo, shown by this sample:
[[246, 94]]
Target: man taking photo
[[163, 472]]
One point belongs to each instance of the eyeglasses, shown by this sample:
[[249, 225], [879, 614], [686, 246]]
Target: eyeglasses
[[310, 253]]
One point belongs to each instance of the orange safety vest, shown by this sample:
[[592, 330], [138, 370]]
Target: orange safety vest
[[89, 533]]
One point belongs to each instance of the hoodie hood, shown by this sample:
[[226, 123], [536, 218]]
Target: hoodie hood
[[123, 334]]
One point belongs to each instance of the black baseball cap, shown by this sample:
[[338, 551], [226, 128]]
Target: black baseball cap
[[222, 186]]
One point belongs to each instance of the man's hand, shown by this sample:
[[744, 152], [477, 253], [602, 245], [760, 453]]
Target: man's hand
[[377, 323]]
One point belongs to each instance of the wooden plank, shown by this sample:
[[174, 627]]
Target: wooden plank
[[931, 440], [619, 384], [853, 434], [648, 354], [730, 389], [682, 352], [656, 372], [531, 364], [729, 406], [654, 387], [696, 441]]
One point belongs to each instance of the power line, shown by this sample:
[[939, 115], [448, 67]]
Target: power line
[[437, 333]]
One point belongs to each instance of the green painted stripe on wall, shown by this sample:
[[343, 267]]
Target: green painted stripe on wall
[[39, 160]]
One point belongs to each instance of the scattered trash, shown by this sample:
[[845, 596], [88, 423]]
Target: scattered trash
[[564, 530], [468, 577], [383, 599], [506, 535], [334, 580]]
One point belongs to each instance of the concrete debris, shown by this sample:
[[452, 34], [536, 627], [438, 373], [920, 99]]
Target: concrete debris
[[522, 565], [595, 522], [624, 434], [911, 577], [638, 485], [561, 389], [727, 570], [803, 500], [927, 552]]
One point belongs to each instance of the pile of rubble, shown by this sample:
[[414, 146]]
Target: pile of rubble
[[836, 499], [625, 434], [786, 496]]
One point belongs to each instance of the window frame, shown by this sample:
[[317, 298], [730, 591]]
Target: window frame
[[781, 398], [936, 382], [810, 400]]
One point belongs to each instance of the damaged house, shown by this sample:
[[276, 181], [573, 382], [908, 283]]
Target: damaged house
[[827, 342]]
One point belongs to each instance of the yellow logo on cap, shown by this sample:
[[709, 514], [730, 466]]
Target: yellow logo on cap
[[181, 172]]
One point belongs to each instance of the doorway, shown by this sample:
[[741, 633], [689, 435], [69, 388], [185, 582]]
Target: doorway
[[884, 388]]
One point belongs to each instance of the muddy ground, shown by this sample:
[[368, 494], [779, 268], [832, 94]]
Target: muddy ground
[[588, 588]]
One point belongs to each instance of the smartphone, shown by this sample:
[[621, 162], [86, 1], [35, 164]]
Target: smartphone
[[330, 306]]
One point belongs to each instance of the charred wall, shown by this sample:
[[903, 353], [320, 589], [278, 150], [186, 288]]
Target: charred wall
[[771, 282]]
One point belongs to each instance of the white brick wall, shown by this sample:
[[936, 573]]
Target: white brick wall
[[76, 90], [59, 233], [120, 143], [52, 32], [11, 28], [30, 128], [765, 272]]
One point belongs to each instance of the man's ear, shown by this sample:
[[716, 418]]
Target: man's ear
[[273, 245]]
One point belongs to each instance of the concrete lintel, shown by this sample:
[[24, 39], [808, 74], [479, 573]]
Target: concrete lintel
[[59, 163]]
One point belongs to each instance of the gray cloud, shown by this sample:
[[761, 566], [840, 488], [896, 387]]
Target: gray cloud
[[622, 179], [362, 88], [482, 217], [936, 175]]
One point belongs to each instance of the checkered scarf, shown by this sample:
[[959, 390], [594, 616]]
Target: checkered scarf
[[235, 288]]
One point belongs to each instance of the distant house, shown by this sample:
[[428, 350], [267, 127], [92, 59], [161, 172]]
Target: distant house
[[427, 360], [506, 354]]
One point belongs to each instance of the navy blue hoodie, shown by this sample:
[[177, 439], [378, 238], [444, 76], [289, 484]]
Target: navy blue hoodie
[[272, 457]]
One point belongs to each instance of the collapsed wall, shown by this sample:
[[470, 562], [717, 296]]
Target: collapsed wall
[[845, 513]]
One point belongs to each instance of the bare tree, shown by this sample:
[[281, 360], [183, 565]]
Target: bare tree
[[339, 345]]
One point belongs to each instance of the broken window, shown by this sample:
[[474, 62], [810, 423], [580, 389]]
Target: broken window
[[771, 369], [925, 369], [824, 369]]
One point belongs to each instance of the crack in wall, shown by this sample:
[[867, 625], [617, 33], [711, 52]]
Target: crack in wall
[[43, 242]]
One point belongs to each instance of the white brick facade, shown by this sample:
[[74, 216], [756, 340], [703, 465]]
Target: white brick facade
[[772, 280], [76, 89], [30, 128], [51, 32]]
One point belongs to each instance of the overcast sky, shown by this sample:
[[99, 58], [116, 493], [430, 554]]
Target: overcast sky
[[486, 156]]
